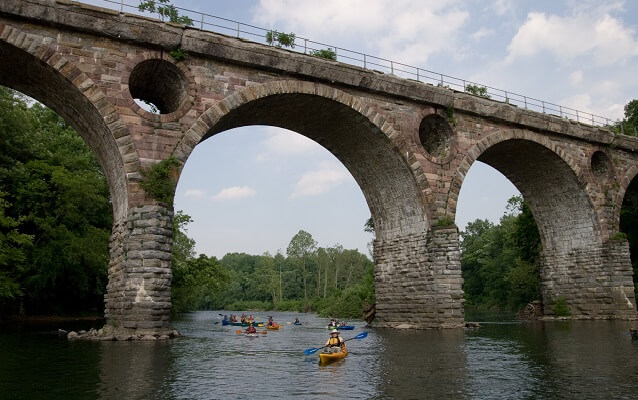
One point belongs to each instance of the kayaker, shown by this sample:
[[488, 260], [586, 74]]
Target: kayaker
[[243, 318], [251, 329], [233, 318], [335, 343], [297, 321], [270, 321], [333, 324]]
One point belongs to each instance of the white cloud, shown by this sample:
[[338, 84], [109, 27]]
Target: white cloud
[[234, 193], [576, 77], [590, 32], [320, 181], [282, 142], [481, 33], [194, 193], [501, 7], [406, 31]]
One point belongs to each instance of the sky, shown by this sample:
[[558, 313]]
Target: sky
[[252, 189]]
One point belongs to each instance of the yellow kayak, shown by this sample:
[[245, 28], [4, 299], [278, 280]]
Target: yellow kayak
[[272, 327], [325, 358]]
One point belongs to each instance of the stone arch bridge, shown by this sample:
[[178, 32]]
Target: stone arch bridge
[[408, 144]]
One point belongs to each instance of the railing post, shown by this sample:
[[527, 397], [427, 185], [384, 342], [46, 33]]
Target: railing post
[[507, 100], [238, 30], [364, 61], [335, 54], [417, 74], [391, 67], [543, 104], [442, 84], [122, 6], [577, 120], [305, 45], [525, 101], [201, 23], [560, 108]]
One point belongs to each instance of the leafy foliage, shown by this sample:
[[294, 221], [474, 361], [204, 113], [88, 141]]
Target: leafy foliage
[[279, 39], [477, 90], [165, 10], [160, 180], [328, 54], [629, 124], [500, 262], [55, 214]]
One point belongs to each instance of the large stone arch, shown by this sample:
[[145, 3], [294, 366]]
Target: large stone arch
[[522, 157], [356, 134], [628, 179], [31, 65], [415, 288], [576, 254]]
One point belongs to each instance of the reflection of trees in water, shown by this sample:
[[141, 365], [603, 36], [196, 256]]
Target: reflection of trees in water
[[561, 359], [422, 364], [134, 370]]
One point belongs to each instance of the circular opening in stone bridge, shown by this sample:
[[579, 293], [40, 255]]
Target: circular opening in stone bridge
[[435, 135], [158, 83]]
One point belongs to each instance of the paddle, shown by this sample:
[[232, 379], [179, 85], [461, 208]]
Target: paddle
[[313, 350]]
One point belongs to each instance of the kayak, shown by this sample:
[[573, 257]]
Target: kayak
[[297, 323], [325, 358], [346, 328], [252, 334], [246, 323], [274, 327]]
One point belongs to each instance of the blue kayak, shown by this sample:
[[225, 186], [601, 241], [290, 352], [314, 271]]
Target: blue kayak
[[346, 328]]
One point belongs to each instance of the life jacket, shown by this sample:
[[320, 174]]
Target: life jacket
[[251, 329], [334, 342]]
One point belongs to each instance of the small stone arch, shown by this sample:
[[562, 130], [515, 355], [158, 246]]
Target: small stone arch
[[395, 146], [77, 91]]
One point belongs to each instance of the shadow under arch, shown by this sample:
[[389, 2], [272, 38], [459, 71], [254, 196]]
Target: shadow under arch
[[63, 87], [353, 133], [627, 217]]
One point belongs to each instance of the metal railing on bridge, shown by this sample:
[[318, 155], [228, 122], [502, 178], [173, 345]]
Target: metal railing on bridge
[[257, 34]]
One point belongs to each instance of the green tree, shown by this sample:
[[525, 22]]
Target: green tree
[[300, 247], [55, 197], [629, 124], [500, 262]]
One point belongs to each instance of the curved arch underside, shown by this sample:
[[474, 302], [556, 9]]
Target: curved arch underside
[[386, 180], [21, 71], [563, 212]]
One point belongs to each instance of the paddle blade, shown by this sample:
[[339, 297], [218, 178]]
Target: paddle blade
[[310, 351], [361, 335], [264, 332], [238, 332]]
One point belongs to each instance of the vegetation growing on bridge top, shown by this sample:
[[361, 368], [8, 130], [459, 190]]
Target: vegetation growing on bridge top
[[477, 90], [165, 11], [328, 54], [280, 39]]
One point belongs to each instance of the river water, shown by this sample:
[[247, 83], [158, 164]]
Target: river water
[[499, 360]]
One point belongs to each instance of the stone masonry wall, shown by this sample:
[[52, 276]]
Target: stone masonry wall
[[596, 282], [138, 298], [418, 281]]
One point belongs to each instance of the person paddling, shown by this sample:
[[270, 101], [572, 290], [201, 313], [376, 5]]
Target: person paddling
[[336, 343], [251, 329]]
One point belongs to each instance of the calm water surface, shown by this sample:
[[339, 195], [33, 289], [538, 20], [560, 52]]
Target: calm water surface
[[501, 360]]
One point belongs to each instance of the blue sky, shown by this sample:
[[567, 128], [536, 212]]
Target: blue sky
[[251, 189]]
